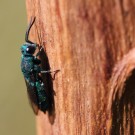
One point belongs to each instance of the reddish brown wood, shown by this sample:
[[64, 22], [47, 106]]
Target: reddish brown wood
[[86, 39]]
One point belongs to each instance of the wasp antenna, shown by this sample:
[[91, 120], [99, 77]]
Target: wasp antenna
[[28, 30]]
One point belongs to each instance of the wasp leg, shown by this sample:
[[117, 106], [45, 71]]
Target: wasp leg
[[48, 71], [44, 72], [40, 50], [56, 71]]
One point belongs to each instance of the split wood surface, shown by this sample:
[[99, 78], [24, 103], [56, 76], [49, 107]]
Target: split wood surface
[[92, 43]]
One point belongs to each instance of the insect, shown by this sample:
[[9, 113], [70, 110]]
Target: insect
[[31, 69]]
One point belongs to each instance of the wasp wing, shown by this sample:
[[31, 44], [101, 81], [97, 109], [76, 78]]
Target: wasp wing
[[32, 96]]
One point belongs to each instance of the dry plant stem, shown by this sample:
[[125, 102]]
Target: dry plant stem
[[85, 39]]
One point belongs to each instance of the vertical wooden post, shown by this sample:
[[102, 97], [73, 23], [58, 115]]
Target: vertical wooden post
[[86, 39]]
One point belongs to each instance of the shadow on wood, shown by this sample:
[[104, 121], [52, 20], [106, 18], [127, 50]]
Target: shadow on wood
[[48, 81]]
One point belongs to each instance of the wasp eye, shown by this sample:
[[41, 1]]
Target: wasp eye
[[27, 49], [30, 49]]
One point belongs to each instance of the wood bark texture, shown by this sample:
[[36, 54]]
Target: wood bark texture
[[92, 43]]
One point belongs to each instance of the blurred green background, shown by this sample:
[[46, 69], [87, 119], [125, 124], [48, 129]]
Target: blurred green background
[[16, 116]]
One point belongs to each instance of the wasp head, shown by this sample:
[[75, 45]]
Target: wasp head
[[28, 49]]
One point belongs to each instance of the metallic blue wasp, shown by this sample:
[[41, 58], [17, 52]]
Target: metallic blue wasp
[[31, 69]]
